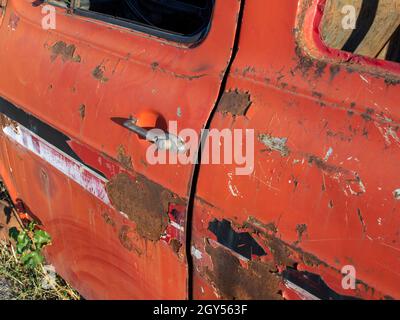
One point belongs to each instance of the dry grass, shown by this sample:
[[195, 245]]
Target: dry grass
[[27, 284], [18, 282]]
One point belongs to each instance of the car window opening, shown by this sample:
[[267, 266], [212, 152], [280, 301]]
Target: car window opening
[[184, 17]]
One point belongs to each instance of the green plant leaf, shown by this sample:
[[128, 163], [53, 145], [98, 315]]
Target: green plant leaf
[[13, 233], [41, 238], [31, 226], [32, 259], [23, 242]]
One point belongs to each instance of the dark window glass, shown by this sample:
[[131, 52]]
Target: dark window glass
[[168, 18]]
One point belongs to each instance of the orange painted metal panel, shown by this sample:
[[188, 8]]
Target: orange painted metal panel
[[323, 191], [68, 84]]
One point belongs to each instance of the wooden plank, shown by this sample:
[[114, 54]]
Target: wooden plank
[[332, 31], [382, 55], [385, 24], [373, 33]]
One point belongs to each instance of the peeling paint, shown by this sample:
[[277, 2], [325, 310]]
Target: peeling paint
[[123, 158], [389, 133], [13, 22], [275, 144], [232, 188], [350, 181], [328, 154], [155, 66], [108, 220], [65, 51], [196, 253], [76, 171], [98, 73], [82, 111], [126, 237], [240, 242], [175, 234], [256, 282], [360, 217], [300, 229], [235, 103], [179, 112]]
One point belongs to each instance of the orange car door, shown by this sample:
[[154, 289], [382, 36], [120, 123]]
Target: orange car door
[[118, 223], [317, 216]]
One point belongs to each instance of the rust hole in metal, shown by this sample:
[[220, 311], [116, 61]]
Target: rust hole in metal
[[240, 242], [258, 281]]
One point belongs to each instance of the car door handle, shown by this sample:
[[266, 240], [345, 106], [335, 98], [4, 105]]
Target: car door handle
[[163, 140]]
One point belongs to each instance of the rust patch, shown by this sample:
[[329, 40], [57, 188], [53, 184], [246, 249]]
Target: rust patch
[[125, 238], [259, 281], [13, 22], [144, 202], [360, 217], [155, 66], [300, 229], [368, 114], [350, 181], [66, 52], [286, 256], [123, 158], [7, 122], [280, 251], [234, 102], [175, 245], [253, 222], [283, 253], [317, 95], [98, 73], [305, 63], [392, 82], [334, 70], [324, 166], [275, 144], [341, 135], [107, 219], [321, 66], [82, 111]]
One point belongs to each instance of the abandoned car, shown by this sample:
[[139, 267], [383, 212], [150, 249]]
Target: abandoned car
[[311, 211]]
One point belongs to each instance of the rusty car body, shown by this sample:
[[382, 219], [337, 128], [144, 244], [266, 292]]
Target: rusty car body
[[324, 192]]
